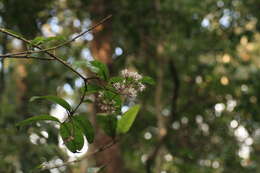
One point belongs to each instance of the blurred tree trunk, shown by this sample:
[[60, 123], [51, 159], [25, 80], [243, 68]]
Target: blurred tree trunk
[[101, 50], [2, 72], [19, 76], [155, 159]]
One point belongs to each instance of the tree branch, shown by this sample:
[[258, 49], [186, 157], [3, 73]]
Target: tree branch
[[103, 148], [57, 46], [82, 97], [27, 57]]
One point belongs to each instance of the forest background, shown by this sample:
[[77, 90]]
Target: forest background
[[202, 115]]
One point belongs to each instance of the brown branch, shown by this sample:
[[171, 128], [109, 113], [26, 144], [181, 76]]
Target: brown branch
[[48, 53], [25, 54], [27, 57], [47, 50], [82, 97], [103, 148], [59, 45]]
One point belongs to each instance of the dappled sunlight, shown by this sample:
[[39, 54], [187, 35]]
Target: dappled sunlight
[[130, 86]]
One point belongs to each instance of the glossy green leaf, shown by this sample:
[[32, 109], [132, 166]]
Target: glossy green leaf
[[39, 40], [88, 101], [108, 123], [147, 80], [94, 66], [72, 136], [91, 67], [36, 119], [54, 99], [127, 120], [95, 169], [92, 88], [86, 127], [112, 96], [85, 64], [116, 79], [43, 40]]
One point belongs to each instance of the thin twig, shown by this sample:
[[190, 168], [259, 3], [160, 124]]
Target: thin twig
[[103, 148], [82, 97], [27, 57], [54, 57], [62, 44], [47, 52], [84, 93]]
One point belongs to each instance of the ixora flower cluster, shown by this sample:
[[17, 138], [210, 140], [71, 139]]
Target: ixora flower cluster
[[105, 103], [128, 85]]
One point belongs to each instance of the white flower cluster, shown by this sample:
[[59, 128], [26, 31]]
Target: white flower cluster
[[104, 104], [130, 74], [131, 85]]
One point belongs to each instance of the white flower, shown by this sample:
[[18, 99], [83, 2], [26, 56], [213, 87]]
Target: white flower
[[141, 87], [138, 77], [130, 86], [124, 73], [100, 94], [132, 92], [117, 86]]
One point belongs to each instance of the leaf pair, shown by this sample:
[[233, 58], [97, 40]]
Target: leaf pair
[[72, 132]]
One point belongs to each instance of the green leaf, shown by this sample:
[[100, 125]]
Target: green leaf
[[147, 80], [54, 99], [43, 40], [88, 101], [112, 96], [92, 88], [86, 127], [38, 40], [80, 63], [72, 136], [108, 123], [96, 67], [37, 118], [102, 71], [95, 169], [91, 67], [125, 123]]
